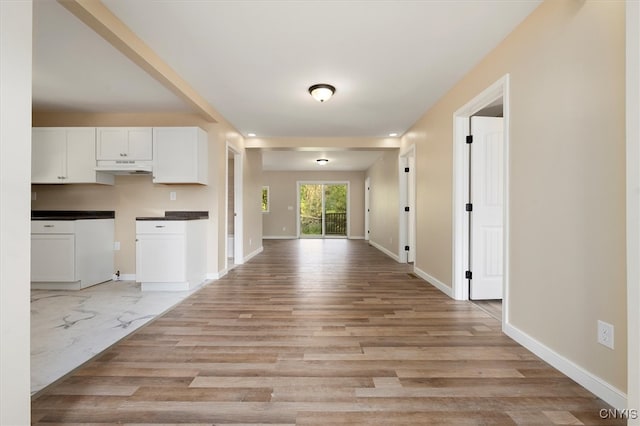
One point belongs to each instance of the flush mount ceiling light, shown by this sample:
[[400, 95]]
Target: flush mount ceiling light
[[322, 92], [251, 135], [322, 161]]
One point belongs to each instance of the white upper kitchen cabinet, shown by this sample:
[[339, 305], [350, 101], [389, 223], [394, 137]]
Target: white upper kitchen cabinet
[[180, 155], [124, 143], [65, 155]]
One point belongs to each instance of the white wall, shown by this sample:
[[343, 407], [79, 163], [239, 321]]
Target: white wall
[[15, 177], [281, 222], [633, 204], [567, 204], [384, 204]]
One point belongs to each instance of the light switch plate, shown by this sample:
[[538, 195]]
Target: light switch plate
[[172, 195]]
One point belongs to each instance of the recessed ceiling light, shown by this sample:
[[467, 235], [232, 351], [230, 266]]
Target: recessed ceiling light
[[322, 92], [393, 135], [322, 161], [251, 135]]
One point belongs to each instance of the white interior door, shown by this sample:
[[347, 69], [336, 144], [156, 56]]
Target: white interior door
[[411, 202], [367, 208], [407, 193], [486, 196]]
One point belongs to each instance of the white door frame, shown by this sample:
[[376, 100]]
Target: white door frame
[[238, 251], [367, 207], [323, 182], [404, 238], [499, 89]]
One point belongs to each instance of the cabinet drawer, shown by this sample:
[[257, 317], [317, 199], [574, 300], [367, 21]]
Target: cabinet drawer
[[52, 226], [160, 227]]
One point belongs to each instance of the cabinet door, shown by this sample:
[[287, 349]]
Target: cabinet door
[[160, 258], [179, 155], [140, 143], [111, 143], [48, 155], [124, 143], [53, 257], [81, 155]]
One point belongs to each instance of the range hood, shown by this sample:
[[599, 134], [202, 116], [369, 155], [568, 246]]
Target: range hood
[[125, 167]]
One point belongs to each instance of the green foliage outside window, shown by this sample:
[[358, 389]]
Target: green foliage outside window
[[265, 199], [335, 208]]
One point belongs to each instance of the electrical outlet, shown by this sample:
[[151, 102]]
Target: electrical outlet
[[284, 228], [172, 195], [116, 245], [289, 207], [250, 243], [605, 334]]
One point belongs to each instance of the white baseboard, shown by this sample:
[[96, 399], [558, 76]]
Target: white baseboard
[[385, 251], [174, 286], [295, 237], [217, 275], [124, 277], [434, 282], [605, 391], [251, 255]]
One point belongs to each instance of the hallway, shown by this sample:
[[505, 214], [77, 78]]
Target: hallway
[[319, 332]]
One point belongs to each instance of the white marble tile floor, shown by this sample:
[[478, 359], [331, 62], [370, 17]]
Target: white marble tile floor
[[70, 327]]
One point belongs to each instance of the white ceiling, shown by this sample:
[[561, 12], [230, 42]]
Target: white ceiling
[[280, 160], [254, 60]]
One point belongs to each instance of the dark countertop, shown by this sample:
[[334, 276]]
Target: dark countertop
[[179, 215], [72, 214]]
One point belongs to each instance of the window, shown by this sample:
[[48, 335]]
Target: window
[[265, 199]]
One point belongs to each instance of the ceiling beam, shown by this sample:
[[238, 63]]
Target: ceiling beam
[[314, 143], [99, 18]]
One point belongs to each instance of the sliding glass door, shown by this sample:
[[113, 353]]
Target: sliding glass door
[[335, 210], [311, 208], [323, 209]]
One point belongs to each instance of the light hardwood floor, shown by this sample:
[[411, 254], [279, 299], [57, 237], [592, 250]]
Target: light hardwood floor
[[319, 332], [492, 307]]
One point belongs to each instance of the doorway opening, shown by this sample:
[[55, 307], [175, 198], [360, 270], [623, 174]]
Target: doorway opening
[[323, 209], [407, 185], [233, 200], [231, 215], [481, 182]]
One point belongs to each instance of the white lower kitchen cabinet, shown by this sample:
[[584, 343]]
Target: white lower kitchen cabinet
[[170, 254], [71, 254]]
